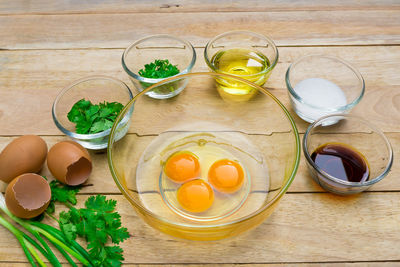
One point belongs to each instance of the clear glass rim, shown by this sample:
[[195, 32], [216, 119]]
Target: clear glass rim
[[334, 179], [268, 39], [150, 80], [125, 192], [66, 89], [338, 109]]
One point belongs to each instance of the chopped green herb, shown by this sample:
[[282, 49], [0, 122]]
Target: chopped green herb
[[90, 119], [160, 68], [97, 223]]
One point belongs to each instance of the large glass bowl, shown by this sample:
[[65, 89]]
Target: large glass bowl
[[260, 132]]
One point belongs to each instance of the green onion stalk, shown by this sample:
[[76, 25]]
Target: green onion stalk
[[32, 245]]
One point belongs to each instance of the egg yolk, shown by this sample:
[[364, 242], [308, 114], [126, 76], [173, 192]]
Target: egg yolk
[[182, 166], [226, 176], [195, 196]]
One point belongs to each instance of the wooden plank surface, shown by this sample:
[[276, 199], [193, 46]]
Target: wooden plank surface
[[119, 30], [302, 264], [44, 45], [101, 180], [39, 76], [156, 6], [367, 225]]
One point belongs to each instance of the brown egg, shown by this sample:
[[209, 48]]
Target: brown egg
[[23, 155], [69, 162], [28, 195]]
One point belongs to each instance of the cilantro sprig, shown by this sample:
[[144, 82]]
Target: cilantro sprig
[[90, 118], [160, 68], [98, 224], [62, 193]]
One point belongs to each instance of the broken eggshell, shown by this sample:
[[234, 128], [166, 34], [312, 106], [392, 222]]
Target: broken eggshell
[[26, 154], [28, 195], [69, 162]]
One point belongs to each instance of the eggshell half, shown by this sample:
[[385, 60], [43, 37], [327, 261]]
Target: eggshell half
[[26, 154], [28, 195], [69, 162]]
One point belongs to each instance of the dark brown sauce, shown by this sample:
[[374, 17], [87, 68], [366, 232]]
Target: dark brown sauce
[[341, 161]]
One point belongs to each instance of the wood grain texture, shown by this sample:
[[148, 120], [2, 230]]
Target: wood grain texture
[[31, 80], [101, 180], [324, 264], [336, 264], [119, 30], [44, 45], [367, 225], [140, 6]]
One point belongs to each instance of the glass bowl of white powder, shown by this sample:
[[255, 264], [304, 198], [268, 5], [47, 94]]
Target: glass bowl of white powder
[[321, 85]]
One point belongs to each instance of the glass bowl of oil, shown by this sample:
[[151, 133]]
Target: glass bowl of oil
[[346, 156], [200, 167], [245, 54], [171, 50]]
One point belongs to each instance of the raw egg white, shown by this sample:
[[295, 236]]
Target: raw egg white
[[200, 170]]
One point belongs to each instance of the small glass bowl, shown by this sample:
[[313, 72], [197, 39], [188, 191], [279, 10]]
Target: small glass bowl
[[357, 133], [342, 85], [263, 50], [162, 46], [96, 89]]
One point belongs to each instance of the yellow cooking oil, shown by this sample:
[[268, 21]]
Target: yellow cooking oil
[[249, 64]]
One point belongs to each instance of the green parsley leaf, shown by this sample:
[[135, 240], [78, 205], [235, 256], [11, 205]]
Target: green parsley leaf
[[101, 125], [90, 119], [68, 228], [114, 256], [62, 193], [114, 106], [160, 68], [98, 224], [99, 203]]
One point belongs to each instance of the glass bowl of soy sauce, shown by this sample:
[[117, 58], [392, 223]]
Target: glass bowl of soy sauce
[[346, 154]]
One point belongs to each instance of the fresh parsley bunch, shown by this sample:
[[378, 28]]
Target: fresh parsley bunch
[[160, 68], [90, 119], [98, 224]]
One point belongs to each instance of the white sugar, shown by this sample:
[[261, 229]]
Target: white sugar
[[323, 95]]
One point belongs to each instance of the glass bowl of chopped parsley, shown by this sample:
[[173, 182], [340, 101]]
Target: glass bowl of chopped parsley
[[86, 110], [154, 58]]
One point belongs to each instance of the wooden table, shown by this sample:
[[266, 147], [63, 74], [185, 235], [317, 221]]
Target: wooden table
[[44, 45]]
